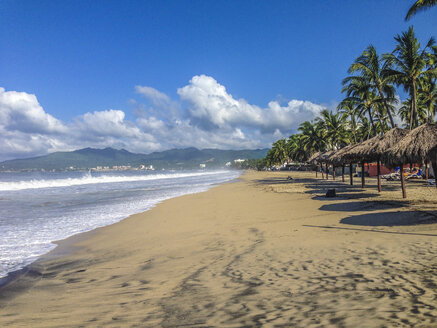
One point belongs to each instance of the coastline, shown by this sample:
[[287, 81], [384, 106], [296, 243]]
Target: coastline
[[260, 251], [64, 246]]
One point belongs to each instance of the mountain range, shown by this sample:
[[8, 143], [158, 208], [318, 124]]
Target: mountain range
[[187, 158]]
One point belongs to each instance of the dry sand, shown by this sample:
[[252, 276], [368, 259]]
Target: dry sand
[[264, 251]]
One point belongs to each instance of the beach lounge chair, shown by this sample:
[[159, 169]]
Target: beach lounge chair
[[416, 174]]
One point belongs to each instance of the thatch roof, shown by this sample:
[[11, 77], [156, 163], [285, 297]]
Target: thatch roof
[[388, 140], [362, 152], [314, 158], [326, 156], [418, 146], [338, 157]]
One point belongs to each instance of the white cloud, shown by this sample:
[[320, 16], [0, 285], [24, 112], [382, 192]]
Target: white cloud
[[107, 123], [212, 119], [152, 94], [210, 103], [20, 111]]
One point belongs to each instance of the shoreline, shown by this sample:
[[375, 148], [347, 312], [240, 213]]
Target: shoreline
[[263, 250], [64, 247]]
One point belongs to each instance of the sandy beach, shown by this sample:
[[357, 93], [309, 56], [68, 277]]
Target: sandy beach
[[260, 252]]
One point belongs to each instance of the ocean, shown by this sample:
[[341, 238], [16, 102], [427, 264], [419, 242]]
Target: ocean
[[37, 208]]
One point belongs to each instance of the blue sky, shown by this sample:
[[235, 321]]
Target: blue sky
[[82, 62]]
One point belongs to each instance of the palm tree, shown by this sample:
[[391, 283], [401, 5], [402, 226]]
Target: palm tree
[[420, 5], [349, 110], [369, 66], [406, 64], [405, 113], [334, 129], [278, 153], [311, 137], [359, 91], [295, 148], [427, 96], [364, 129]]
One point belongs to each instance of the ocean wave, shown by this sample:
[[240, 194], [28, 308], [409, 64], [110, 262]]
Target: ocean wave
[[90, 179]]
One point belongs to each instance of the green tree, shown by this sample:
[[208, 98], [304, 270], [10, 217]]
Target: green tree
[[360, 92], [349, 109], [370, 67], [295, 148], [311, 137], [427, 96], [420, 5], [335, 131], [278, 153], [406, 65]]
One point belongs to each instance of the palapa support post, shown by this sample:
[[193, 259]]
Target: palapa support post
[[404, 192], [378, 169], [434, 167], [316, 171], [321, 169], [342, 172], [327, 171], [333, 172], [351, 175], [363, 180], [426, 171]]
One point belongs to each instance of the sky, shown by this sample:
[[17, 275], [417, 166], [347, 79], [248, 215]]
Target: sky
[[154, 75]]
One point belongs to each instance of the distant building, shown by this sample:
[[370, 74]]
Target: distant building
[[228, 164], [239, 160], [202, 166], [146, 167]]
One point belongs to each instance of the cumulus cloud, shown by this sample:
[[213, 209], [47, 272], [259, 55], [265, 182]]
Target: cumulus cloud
[[107, 123], [205, 116], [20, 111], [210, 103]]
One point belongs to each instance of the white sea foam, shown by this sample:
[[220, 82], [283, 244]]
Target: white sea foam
[[45, 207], [89, 179]]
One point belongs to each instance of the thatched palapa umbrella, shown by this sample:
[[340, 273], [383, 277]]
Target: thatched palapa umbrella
[[325, 158], [418, 146], [339, 159], [388, 140], [362, 153], [314, 159]]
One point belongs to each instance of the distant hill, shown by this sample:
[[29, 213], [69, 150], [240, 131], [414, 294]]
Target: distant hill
[[187, 158]]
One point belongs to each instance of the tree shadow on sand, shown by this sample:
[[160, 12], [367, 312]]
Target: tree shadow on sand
[[390, 219]]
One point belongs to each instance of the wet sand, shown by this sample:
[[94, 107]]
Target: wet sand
[[262, 252]]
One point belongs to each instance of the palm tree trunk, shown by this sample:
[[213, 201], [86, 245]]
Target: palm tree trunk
[[351, 177], [371, 121], [404, 192], [413, 117], [353, 128], [386, 107]]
